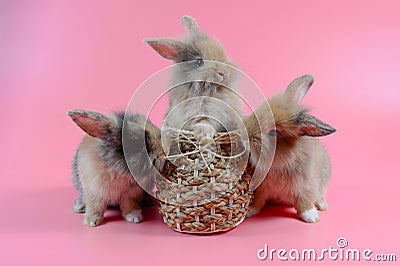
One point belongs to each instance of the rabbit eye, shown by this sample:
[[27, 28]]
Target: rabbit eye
[[199, 62], [273, 133]]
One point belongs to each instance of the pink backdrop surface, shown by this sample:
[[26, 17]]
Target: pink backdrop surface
[[59, 55]]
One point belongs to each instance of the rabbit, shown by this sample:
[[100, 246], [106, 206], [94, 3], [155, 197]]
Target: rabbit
[[99, 169], [300, 171], [203, 98]]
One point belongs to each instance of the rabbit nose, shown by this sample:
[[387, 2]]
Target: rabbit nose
[[221, 75]]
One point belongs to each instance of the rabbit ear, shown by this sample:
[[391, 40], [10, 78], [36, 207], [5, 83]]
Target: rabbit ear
[[189, 24], [312, 126], [166, 47], [94, 124], [299, 87]]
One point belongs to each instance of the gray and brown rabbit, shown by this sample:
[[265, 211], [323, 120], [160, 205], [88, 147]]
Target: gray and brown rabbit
[[301, 168], [100, 169], [203, 95]]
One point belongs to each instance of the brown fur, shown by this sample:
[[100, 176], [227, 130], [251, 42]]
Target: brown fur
[[300, 169]]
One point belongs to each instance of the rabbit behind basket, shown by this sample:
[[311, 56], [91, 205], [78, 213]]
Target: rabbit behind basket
[[99, 170], [301, 169], [202, 70]]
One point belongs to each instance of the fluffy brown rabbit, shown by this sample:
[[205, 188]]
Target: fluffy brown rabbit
[[99, 170], [300, 170], [204, 71]]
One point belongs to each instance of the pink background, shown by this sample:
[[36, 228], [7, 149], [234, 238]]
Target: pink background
[[58, 55]]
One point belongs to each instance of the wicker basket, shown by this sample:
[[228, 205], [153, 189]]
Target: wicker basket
[[204, 188]]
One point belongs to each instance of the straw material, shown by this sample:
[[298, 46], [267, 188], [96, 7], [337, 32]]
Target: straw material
[[204, 187]]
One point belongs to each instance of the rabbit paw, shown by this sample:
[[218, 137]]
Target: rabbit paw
[[252, 212], [322, 205], [310, 216], [92, 220], [135, 216], [204, 131], [79, 205]]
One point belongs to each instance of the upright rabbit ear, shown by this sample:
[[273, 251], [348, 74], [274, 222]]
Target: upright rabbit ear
[[94, 124], [166, 47], [299, 87], [189, 24], [312, 126]]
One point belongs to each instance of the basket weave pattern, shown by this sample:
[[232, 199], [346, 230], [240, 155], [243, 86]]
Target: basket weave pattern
[[204, 188]]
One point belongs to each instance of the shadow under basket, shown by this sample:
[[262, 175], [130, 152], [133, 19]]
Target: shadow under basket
[[204, 187]]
